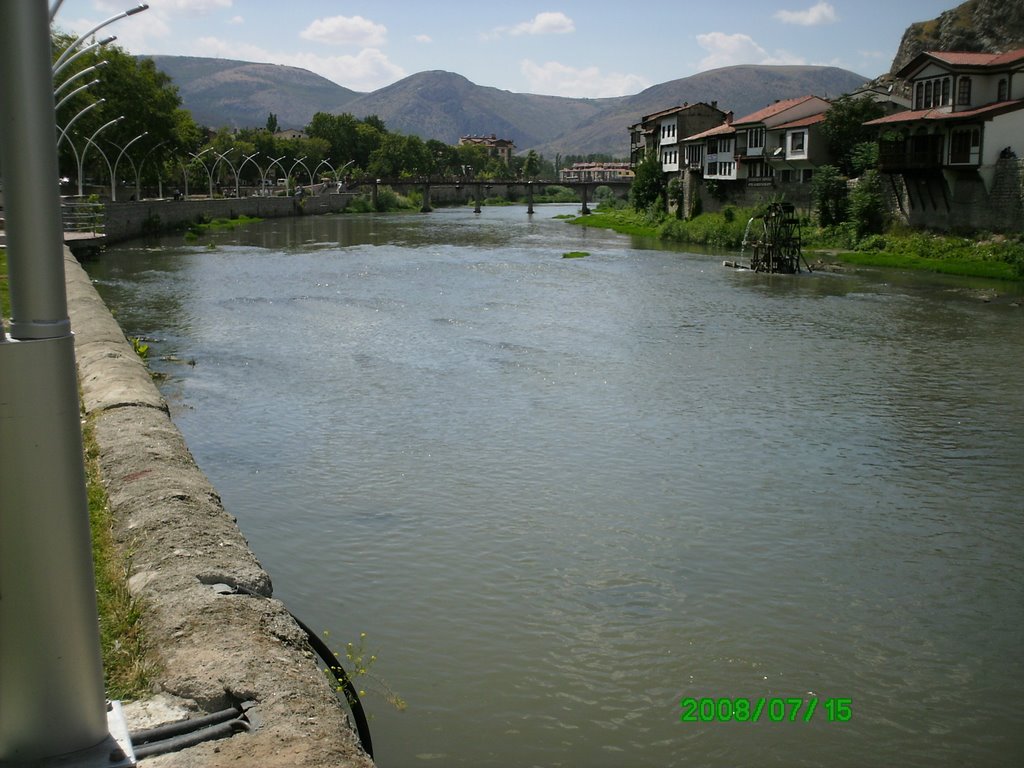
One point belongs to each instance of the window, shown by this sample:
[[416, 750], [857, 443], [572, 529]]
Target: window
[[808, 174], [963, 145], [712, 169], [963, 91], [725, 145], [1003, 90], [796, 142], [755, 138], [932, 93]]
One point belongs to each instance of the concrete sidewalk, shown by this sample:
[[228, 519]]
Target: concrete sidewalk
[[216, 650]]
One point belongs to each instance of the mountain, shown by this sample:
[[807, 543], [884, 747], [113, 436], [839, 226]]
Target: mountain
[[241, 94], [978, 26], [742, 89], [445, 105]]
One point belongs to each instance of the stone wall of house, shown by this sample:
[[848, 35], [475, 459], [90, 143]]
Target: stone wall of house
[[1006, 199], [962, 203], [714, 196]]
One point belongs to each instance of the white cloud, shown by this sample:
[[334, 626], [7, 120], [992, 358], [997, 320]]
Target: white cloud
[[423, 38], [236, 20], [822, 13], [346, 30], [367, 70], [727, 50], [555, 79], [547, 23]]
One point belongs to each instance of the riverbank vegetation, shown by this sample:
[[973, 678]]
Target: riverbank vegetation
[[978, 255], [203, 226], [127, 664]]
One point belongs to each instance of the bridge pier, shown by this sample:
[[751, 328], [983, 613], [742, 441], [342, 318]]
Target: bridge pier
[[425, 208], [584, 190], [373, 193], [529, 198], [477, 193]]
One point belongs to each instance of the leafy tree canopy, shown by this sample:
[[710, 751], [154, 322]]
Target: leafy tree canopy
[[844, 129], [142, 99]]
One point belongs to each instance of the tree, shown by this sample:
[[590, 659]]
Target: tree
[[844, 129], [828, 191], [271, 123], [134, 90], [531, 166], [867, 205], [648, 188]]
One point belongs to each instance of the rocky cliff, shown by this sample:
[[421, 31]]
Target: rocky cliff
[[985, 26]]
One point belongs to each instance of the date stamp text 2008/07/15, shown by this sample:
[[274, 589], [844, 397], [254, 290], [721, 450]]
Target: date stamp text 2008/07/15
[[773, 709]]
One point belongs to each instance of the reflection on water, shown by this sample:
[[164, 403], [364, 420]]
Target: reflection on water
[[560, 495]]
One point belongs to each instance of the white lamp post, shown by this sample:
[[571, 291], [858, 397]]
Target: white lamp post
[[91, 140], [113, 171], [241, 165], [299, 162]]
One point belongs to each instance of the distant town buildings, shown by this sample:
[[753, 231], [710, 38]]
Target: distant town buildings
[[502, 149], [580, 172]]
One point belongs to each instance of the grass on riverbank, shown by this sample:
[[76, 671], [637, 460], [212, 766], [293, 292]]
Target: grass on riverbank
[[127, 666], [994, 257], [197, 228]]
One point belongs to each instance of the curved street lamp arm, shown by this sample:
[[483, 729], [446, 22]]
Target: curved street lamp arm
[[130, 12], [71, 95], [70, 80], [97, 44], [71, 122]]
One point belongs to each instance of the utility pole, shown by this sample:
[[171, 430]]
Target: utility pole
[[52, 703]]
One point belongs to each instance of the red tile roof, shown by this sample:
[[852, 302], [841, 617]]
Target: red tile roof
[[913, 116], [719, 130], [962, 58], [771, 109], [803, 122]]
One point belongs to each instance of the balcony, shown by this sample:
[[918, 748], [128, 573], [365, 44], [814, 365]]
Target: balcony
[[920, 153]]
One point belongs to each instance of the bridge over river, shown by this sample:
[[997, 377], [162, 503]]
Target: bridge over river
[[479, 189]]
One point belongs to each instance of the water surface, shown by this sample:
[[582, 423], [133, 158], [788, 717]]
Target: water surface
[[559, 495]]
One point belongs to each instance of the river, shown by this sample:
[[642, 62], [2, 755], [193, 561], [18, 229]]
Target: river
[[560, 496]]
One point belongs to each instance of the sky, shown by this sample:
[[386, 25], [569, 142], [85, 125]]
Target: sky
[[592, 49]]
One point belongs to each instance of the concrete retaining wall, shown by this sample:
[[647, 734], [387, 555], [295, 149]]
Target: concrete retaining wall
[[215, 649], [126, 221]]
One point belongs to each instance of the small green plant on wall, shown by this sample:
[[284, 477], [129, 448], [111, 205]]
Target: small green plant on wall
[[358, 669]]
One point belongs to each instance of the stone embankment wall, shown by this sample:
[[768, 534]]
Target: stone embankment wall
[[126, 221], [215, 649]]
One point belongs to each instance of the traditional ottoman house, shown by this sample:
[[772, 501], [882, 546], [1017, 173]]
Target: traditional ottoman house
[[662, 132], [775, 149], [953, 159]]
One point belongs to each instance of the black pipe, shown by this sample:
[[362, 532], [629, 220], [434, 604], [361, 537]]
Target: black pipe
[[351, 694], [183, 726], [190, 739]]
